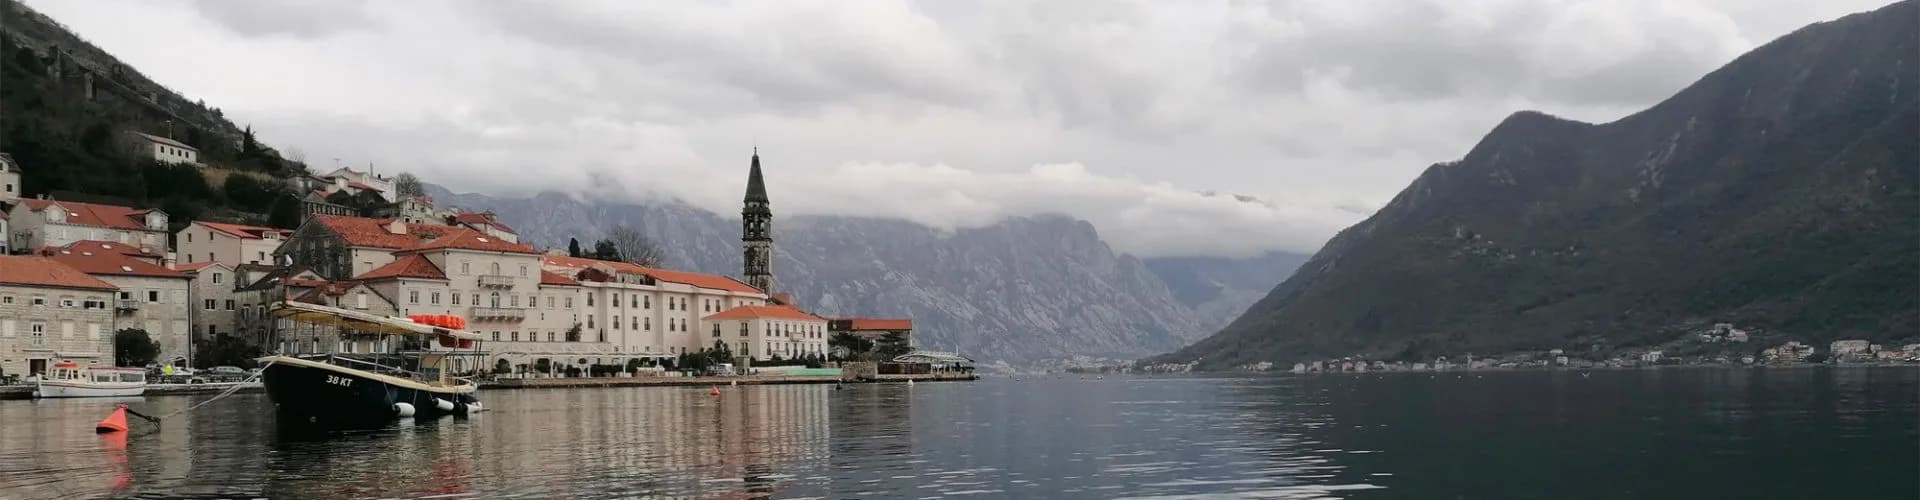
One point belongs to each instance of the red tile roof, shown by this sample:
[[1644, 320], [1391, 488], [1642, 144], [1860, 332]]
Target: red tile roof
[[877, 324], [365, 232], [92, 214], [553, 278], [109, 263], [468, 239], [406, 266], [763, 312], [712, 281], [484, 219], [108, 247], [195, 266], [41, 271], [241, 230]]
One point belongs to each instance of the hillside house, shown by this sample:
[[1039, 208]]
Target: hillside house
[[165, 150], [39, 223]]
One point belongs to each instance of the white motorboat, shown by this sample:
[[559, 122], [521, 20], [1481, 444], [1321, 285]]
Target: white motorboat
[[69, 380]]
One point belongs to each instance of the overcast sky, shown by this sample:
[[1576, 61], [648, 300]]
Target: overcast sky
[[1145, 117]]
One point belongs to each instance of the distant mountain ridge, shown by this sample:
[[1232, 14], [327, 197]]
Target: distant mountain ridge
[[1777, 192], [1027, 292]]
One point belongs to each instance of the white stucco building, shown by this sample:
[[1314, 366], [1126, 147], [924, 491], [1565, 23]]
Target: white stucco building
[[166, 150], [229, 244]]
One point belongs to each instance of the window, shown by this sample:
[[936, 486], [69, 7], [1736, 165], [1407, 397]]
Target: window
[[262, 256], [549, 301], [360, 300], [493, 300], [465, 270], [476, 299], [646, 301], [523, 270], [6, 299], [456, 298], [513, 300], [589, 321], [496, 268], [211, 331], [634, 299], [496, 336], [38, 332], [549, 336], [229, 304], [153, 295], [210, 304], [616, 322], [616, 300], [216, 276], [716, 329], [413, 296], [66, 302], [434, 298], [646, 324], [514, 336], [743, 333], [589, 300], [569, 302]]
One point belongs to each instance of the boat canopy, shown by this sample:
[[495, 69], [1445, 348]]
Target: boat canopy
[[360, 321]]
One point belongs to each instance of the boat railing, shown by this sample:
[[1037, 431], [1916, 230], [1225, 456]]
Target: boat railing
[[369, 366]]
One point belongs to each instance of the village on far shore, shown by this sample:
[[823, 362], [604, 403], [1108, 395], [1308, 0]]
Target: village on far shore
[[1721, 344]]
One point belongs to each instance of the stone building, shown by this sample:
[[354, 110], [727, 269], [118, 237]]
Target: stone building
[[39, 223], [214, 306], [342, 247], [151, 298], [756, 231], [230, 244], [50, 313]]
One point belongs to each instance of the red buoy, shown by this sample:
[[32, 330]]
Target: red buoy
[[117, 422]]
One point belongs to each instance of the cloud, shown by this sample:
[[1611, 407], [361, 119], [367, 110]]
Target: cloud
[[295, 18], [1146, 118]]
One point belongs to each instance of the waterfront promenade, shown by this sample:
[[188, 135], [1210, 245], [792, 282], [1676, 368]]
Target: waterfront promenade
[[26, 391]]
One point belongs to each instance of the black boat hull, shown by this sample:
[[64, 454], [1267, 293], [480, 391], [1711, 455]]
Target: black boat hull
[[333, 396]]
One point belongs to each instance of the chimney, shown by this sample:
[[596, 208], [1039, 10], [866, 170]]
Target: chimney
[[168, 261]]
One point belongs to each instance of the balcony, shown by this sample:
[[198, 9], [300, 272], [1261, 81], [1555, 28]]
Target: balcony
[[496, 281], [127, 305], [499, 313]]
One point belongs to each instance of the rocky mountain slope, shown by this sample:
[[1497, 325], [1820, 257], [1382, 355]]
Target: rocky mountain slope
[[1219, 289], [1025, 292], [1778, 192]]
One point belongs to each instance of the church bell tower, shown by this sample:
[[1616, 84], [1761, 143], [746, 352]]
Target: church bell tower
[[756, 231]]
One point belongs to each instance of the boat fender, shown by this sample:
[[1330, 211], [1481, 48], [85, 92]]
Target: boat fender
[[403, 410], [474, 407], [443, 405]]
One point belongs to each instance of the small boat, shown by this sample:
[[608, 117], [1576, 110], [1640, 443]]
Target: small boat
[[69, 380], [354, 389]]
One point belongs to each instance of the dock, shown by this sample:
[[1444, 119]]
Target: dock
[[26, 391]]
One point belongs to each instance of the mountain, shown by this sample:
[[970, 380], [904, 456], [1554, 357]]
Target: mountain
[[1218, 289], [1026, 292], [1777, 192], [69, 105]]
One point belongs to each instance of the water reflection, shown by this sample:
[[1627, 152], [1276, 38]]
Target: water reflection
[[1615, 434]]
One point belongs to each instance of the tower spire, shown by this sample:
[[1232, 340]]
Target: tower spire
[[756, 230]]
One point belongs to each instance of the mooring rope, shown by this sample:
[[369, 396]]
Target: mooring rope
[[229, 392]]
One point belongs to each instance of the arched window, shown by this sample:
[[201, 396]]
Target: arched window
[[496, 268]]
